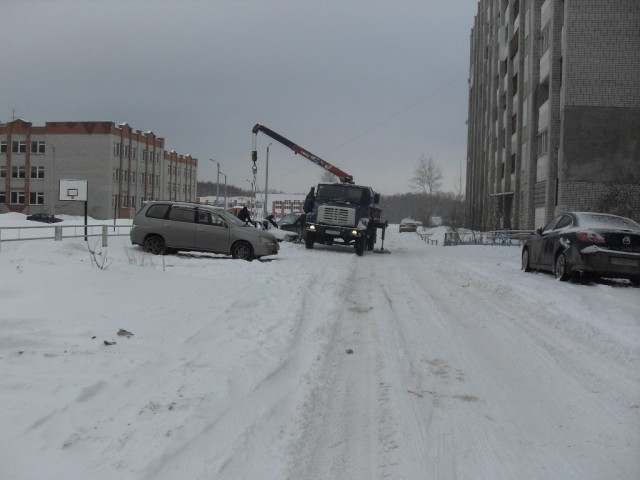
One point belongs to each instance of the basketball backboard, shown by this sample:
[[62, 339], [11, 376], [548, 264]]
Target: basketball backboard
[[74, 190]]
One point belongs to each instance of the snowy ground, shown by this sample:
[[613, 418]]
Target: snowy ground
[[431, 362]]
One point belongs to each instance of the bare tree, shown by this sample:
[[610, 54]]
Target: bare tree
[[427, 178]]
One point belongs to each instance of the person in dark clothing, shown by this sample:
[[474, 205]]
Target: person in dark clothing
[[309, 201], [245, 216]]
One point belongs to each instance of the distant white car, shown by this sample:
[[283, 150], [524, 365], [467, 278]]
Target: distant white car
[[409, 225]]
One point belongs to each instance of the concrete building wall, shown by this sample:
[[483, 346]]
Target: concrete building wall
[[561, 132], [123, 167]]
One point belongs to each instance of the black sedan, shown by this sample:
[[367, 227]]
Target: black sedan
[[585, 245], [44, 218]]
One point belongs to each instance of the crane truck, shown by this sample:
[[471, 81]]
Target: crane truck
[[343, 213]]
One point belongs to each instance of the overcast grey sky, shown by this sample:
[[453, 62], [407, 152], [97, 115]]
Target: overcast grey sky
[[366, 85]]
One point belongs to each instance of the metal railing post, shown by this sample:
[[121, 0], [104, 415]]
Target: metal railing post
[[105, 236]]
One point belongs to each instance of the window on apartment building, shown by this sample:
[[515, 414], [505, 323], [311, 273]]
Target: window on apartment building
[[3, 171], [134, 177], [37, 172], [36, 198], [116, 149], [513, 46], [134, 152], [37, 146], [514, 84], [18, 171], [169, 169], [3, 146], [19, 146], [544, 38], [157, 181], [543, 143], [543, 94], [513, 163], [502, 170], [514, 123], [126, 151], [126, 175], [143, 178], [3, 197], [145, 155], [17, 198]]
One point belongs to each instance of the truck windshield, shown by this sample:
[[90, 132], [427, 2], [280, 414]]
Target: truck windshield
[[343, 193]]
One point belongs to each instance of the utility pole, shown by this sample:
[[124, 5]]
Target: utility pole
[[266, 185], [225, 190], [217, 183]]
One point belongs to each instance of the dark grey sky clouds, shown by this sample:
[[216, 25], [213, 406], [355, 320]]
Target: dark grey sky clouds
[[367, 85]]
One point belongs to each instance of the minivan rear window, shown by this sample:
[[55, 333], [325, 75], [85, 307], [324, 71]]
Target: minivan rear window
[[158, 211]]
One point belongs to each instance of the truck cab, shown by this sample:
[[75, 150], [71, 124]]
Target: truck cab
[[344, 213]]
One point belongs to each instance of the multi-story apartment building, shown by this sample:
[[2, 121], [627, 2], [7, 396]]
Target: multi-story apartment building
[[123, 167], [554, 111]]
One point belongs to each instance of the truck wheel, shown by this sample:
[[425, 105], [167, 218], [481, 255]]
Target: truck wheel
[[359, 246], [371, 241], [309, 241]]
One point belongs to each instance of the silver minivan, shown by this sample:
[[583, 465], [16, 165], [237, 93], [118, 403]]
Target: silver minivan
[[162, 227]]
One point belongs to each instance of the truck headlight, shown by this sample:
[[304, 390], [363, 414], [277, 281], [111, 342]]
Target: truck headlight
[[355, 233], [312, 228]]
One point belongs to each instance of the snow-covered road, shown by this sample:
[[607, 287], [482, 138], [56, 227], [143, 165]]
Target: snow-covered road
[[430, 362], [458, 372]]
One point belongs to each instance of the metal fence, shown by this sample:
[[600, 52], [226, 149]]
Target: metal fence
[[492, 237], [61, 232]]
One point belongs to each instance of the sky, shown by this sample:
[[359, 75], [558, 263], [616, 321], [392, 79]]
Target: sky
[[369, 86], [426, 362]]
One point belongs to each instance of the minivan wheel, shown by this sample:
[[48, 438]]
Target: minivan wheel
[[242, 251], [560, 268], [155, 244]]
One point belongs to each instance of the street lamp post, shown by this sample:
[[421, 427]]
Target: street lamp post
[[217, 182], [266, 185]]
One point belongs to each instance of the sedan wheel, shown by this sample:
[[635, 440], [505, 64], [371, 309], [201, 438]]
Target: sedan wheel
[[525, 260], [155, 245], [243, 251], [560, 268]]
